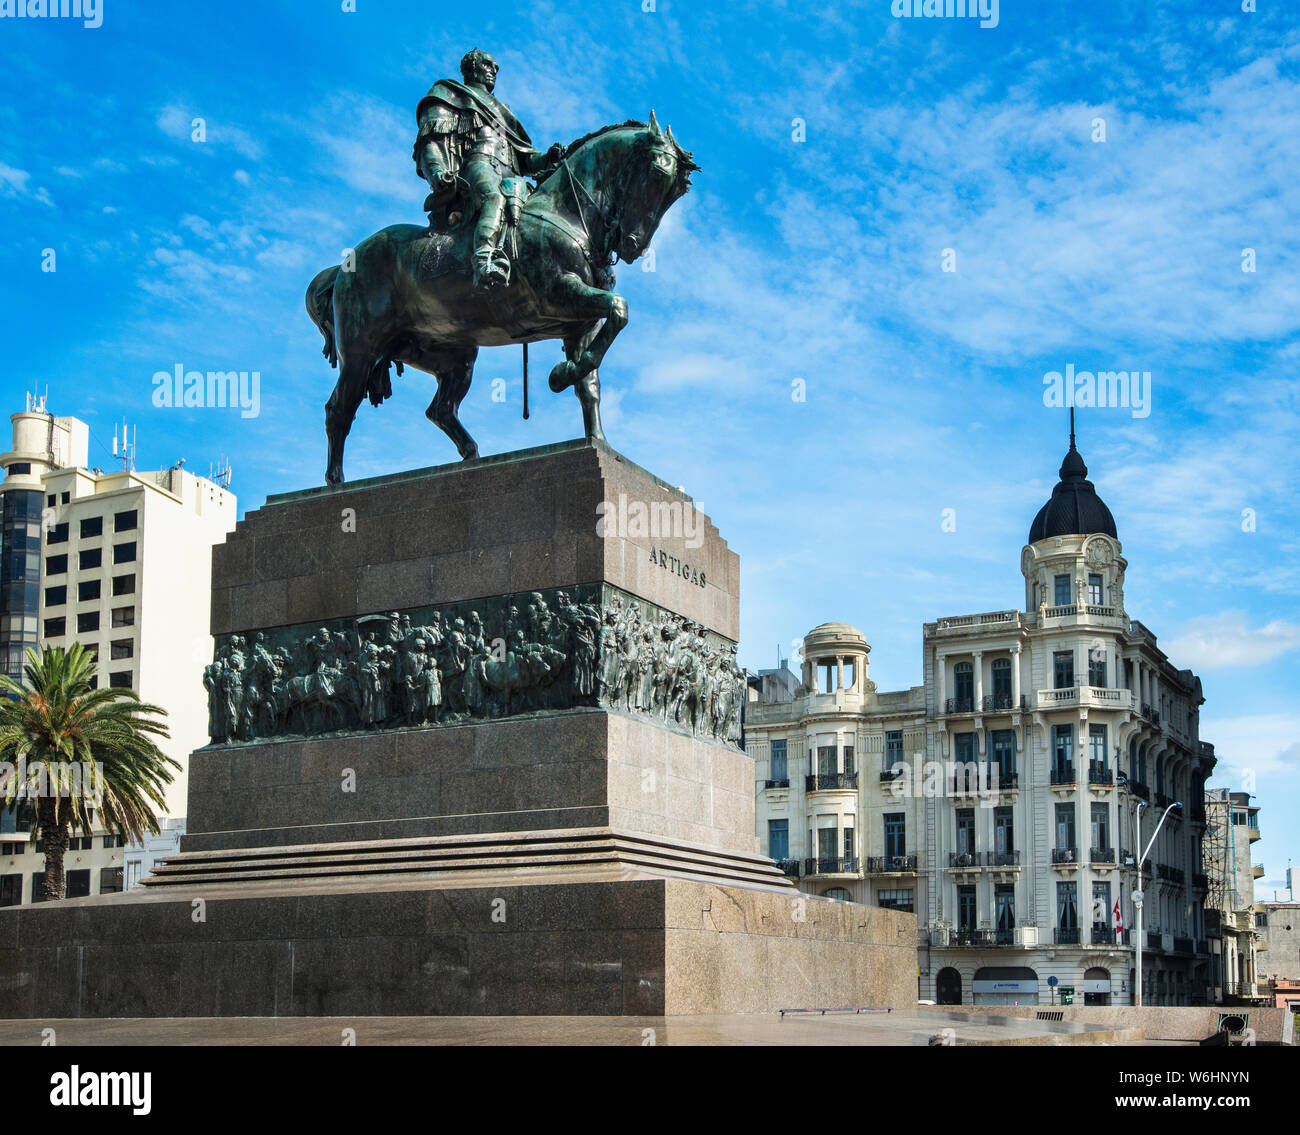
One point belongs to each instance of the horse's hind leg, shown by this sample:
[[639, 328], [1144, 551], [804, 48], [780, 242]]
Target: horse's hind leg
[[341, 409], [586, 388], [454, 370]]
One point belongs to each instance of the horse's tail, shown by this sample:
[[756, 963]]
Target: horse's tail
[[320, 306]]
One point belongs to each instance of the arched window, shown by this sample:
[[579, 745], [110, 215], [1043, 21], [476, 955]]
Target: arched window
[[963, 677], [839, 894]]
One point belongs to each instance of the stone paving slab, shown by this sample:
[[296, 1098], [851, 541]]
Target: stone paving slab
[[716, 1030]]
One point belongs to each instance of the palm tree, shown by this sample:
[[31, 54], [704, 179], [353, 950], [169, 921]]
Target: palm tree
[[59, 733]]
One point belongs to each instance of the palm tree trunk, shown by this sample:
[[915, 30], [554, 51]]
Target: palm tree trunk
[[54, 834]]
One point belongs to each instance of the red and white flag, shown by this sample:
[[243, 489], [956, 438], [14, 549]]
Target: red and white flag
[[1119, 919]]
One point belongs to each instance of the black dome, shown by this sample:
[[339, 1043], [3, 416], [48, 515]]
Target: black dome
[[1075, 508]]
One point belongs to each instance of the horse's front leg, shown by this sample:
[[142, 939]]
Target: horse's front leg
[[569, 298]]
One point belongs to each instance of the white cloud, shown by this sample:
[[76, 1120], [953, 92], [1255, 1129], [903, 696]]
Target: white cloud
[[1258, 744], [1223, 641]]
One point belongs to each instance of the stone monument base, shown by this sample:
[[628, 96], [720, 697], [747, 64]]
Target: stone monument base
[[580, 939]]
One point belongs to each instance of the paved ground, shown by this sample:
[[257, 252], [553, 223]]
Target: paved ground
[[871, 1028]]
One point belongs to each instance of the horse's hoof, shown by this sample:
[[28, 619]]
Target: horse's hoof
[[563, 375], [334, 477], [470, 454]]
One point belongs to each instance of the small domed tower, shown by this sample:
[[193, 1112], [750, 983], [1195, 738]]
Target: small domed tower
[[835, 660], [1073, 558]]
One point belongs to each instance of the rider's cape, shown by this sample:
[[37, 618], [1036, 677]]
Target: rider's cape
[[451, 114]]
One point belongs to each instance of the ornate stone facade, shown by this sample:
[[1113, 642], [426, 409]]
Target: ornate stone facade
[[590, 645]]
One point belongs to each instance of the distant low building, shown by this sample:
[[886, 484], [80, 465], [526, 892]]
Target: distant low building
[[1232, 828]]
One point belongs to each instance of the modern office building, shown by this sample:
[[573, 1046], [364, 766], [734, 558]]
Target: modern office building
[[122, 566], [1000, 800]]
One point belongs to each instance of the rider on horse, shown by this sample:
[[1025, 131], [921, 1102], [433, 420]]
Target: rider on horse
[[467, 134]]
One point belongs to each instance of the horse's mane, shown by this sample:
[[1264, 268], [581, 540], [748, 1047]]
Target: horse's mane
[[685, 164]]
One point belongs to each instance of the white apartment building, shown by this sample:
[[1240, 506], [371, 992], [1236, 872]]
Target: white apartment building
[[998, 801], [122, 563]]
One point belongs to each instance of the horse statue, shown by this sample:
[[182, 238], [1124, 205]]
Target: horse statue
[[407, 296]]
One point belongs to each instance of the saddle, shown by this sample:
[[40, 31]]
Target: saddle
[[454, 214]]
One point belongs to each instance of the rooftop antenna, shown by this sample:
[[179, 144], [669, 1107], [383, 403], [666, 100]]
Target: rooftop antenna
[[1071, 427], [220, 474], [127, 453]]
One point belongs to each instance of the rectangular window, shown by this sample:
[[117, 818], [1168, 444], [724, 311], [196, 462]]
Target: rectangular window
[[11, 890], [54, 628], [1063, 669], [895, 833], [124, 584], [850, 847], [124, 553], [900, 898], [58, 534], [87, 621], [38, 886], [1065, 827], [122, 648], [826, 843], [1067, 906], [112, 841], [78, 883], [966, 908], [964, 747], [1102, 912], [1095, 590], [87, 590], [778, 769], [1004, 830], [1097, 668], [893, 748], [56, 596], [1097, 747], [1004, 898], [1062, 753], [1003, 743], [848, 759], [92, 526], [826, 760], [120, 680], [1101, 826], [123, 616], [90, 558], [965, 831], [65, 497], [124, 521], [110, 880], [1001, 683], [778, 839], [1062, 585], [56, 565]]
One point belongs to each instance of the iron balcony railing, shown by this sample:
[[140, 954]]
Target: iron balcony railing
[[964, 858], [995, 702], [888, 864], [1182, 945], [830, 866], [777, 783], [1139, 789], [981, 938], [1065, 855], [1063, 774], [788, 867], [1100, 775], [959, 705], [1102, 855], [1004, 858], [891, 774], [823, 781], [1067, 936], [1109, 936], [1155, 940]]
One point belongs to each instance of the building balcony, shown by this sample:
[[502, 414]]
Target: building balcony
[[1100, 777], [1063, 776], [1067, 936], [1127, 858], [1155, 940], [959, 705], [1003, 703], [788, 867], [1101, 697], [1254, 833], [964, 860], [1257, 870], [1167, 874], [1102, 855], [1151, 714], [1065, 857], [980, 939], [1202, 946], [1108, 936], [830, 867], [831, 782], [891, 865], [1003, 858], [769, 784], [889, 775], [966, 624], [1183, 945]]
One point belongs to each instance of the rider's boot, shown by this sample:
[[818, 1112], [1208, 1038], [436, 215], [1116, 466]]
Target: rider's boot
[[490, 265]]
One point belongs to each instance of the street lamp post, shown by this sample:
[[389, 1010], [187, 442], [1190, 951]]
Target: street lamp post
[[1137, 892]]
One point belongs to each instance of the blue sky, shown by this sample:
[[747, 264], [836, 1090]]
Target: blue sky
[[819, 259]]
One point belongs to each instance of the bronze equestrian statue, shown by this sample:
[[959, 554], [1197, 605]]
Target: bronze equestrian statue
[[500, 261]]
